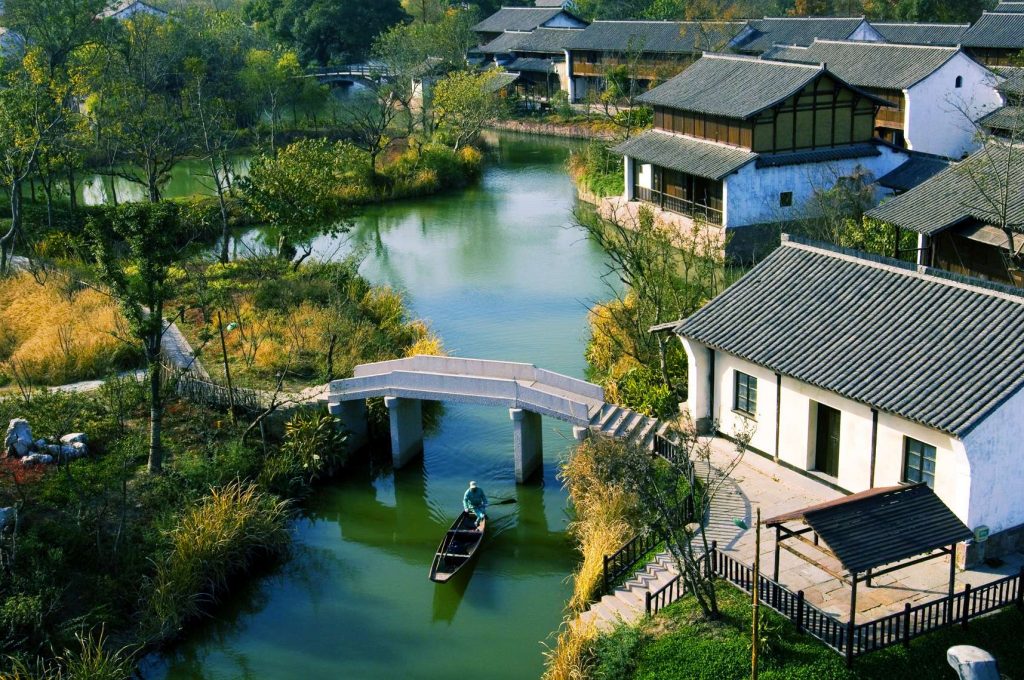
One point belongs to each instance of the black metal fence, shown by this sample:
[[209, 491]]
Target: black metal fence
[[678, 205], [860, 638]]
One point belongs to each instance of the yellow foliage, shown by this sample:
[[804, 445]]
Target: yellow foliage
[[571, 658], [57, 333]]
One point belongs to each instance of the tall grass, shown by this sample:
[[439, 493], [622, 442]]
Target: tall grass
[[56, 332], [606, 517], [94, 660], [221, 536]]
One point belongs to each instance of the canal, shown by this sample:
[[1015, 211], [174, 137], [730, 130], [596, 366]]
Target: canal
[[498, 272]]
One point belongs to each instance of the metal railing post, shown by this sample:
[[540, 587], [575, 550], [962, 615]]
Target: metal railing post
[[604, 579], [800, 611], [906, 624], [647, 602], [965, 614]]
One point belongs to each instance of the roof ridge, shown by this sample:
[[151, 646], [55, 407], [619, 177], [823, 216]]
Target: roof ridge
[[917, 23], [967, 283], [660, 21], [870, 43], [758, 58], [862, 18]]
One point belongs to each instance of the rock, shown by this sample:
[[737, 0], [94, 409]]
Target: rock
[[19, 438], [74, 438], [972, 663], [37, 459], [7, 517]]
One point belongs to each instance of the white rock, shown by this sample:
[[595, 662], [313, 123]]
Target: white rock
[[74, 438], [19, 438], [37, 458]]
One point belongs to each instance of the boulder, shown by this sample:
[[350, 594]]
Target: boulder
[[37, 459], [19, 438], [74, 438], [7, 517]]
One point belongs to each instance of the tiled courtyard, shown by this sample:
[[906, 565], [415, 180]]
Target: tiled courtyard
[[759, 482]]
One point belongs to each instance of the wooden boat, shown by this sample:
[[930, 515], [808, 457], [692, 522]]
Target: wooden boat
[[457, 548]]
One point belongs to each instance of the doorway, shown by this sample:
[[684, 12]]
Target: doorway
[[826, 450]]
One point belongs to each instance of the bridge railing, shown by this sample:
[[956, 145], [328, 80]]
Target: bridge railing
[[506, 370], [467, 388]]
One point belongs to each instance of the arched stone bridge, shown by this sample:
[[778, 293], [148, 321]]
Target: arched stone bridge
[[527, 391]]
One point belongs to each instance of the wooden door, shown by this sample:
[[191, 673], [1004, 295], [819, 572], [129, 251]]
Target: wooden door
[[826, 457]]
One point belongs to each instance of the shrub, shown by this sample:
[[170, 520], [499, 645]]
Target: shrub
[[314, 447], [222, 535], [643, 390], [597, 170], [619, 652], [94, 660]]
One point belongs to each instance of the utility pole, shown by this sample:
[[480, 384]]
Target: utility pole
[[755, 626]]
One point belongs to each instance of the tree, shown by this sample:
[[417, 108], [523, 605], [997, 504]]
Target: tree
[[135, 246], [272, 81], [464, 102], [656, 274], [56, 27], [27, 119], [326, 31], [664, 487], [300, 191], [369, 123]]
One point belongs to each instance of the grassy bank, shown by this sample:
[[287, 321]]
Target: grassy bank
[[678, 644]]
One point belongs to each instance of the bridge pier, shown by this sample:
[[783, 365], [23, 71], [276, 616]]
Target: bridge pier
[[406, 429], [528, 440], [352, 415]]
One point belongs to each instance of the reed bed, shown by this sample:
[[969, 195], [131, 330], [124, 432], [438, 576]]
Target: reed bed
[[221, 536], [55, 332]]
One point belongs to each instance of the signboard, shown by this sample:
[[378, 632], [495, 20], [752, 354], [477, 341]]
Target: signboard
[[981, 534]]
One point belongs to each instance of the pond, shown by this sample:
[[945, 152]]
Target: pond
[[499, 272]]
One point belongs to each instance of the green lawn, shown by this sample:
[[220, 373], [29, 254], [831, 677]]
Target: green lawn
[[676, 644]]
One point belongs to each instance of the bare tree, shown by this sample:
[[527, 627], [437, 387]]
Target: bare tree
[[370, 122]]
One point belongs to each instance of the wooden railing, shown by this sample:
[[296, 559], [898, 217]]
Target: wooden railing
[[863, 638], [678, 205], [625, 561]]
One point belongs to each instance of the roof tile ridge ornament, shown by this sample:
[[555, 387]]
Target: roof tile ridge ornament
[[997, 290], [869, 43]]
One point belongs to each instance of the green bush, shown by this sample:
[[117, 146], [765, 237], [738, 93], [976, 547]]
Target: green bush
[[313, 448], [598, 170], [618, 652], [642, 389]]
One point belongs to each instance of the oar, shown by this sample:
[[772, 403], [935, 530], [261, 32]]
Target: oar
[[506, 501]]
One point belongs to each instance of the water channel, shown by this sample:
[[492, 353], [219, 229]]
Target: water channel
[[499, 273]]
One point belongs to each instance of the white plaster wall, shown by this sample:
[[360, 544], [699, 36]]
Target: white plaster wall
[[939, 117], [797, 436], [751, 194], [866, 32], [564, 20], [646, 177], [997, 472]]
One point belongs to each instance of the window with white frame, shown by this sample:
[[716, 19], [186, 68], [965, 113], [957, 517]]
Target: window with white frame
[[918, 462]]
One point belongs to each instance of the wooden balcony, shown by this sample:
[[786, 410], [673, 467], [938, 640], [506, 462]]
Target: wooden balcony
[[680, 206]]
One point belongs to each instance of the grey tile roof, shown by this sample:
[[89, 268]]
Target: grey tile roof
[[732, 86], [996, 30], [532, 65], [543, 40], [1010, 7], [924, 345], [685, 154], [684, 37], [836, 153], [919, 168], [795, 31], [1005, 118], [1013, 84], [947, 35], [963, 191], [517, 19], [499, 81], [866, 64]]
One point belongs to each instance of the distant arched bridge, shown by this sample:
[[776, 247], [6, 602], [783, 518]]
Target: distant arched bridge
[[527, 391], [368, 74]]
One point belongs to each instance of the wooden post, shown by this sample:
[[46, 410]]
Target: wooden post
[[906, 624], [800, 611], [851, 624], [227, 370], [714, 558], [952, 583], [756, 597], [775, 572], [1020, 589], [647, 602], [604, 577], [965, 615]]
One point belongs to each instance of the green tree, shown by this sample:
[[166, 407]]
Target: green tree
[[272, 80], [135, 246], [299, 192], [56, 27], [464, 102], [326, 31], [28, 117]]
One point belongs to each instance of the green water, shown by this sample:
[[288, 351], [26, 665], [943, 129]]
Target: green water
[[499, 273]]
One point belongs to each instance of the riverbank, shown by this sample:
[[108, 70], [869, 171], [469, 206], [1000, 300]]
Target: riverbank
[[569, 130]]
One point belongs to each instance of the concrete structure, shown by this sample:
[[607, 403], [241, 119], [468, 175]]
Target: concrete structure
[[862, 372], [527, 391]]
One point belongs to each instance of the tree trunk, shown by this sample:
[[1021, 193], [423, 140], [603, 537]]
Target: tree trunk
[[155, 403], [224, 228], [7, 240], [72, 196]]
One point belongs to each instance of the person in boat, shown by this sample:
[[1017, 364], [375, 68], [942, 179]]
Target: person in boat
[[475, 501]]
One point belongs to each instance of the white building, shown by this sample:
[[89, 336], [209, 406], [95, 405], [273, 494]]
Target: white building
[[938, 93], [862, 372], [741, 142], [122, 10]]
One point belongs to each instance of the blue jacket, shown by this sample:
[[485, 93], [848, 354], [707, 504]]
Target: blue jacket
[[474, 498]]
